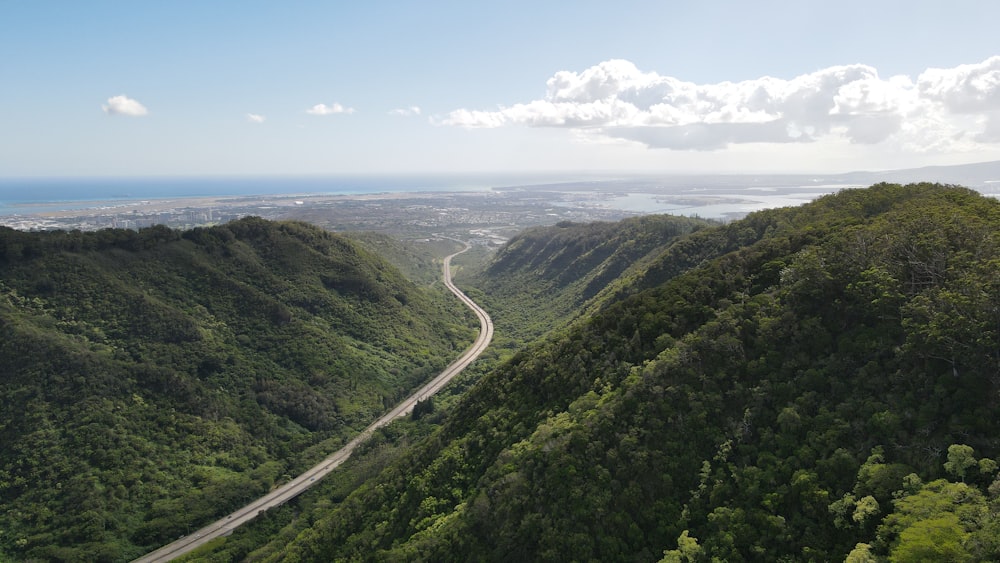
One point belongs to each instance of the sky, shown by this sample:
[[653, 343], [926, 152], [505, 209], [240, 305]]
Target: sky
[[191, 88]]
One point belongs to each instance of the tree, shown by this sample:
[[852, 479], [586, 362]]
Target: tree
[[960, 459], [862, 553], [933, 539], [422, 407], [687, 550], [933, 524]]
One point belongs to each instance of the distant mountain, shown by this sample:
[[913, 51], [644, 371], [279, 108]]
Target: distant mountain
[[983, 177], [980, 176], [152, 380], [807, 383]]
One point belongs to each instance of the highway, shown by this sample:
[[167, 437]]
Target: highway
[[296, 486]]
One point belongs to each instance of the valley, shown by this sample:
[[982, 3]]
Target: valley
[[810, 382], [298, 485]]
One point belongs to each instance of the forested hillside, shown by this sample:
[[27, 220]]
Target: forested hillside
[[545, 276], [152, 380], [418, 262], [815, 383]]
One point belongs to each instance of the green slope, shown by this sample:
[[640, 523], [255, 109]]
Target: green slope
[[152, 380], [419, 261], [798, 385], [545, 276]]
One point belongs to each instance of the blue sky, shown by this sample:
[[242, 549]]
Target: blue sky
[[104, 88]]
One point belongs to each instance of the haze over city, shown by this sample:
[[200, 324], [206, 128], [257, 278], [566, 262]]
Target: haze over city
[[250, 88]]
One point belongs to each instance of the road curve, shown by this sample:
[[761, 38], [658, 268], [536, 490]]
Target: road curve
[[296, 486]]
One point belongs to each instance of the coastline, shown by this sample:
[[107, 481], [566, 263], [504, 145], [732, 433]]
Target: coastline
[[95, 207], [194, 211]]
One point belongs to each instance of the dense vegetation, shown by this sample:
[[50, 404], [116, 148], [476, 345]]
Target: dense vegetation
[[816, 383], [419, 262], [152, 380], [546, 276]]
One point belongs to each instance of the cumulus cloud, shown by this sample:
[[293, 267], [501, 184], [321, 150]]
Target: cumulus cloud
[[323, 109], [255, 118], [406, 112], [123, 105], [991, 129], [968, 88], [616, 100]]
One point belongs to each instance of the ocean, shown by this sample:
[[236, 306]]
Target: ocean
[[32, 195], [703, 196]]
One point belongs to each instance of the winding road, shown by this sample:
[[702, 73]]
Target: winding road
[[296, 486]]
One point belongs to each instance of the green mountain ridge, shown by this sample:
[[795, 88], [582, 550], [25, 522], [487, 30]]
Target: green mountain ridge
[[546, 276], [812, 383], [816, 383], [152, 380]]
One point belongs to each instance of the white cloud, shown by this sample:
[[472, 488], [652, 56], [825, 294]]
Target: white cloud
[[256, 118], [123, 105], [323, 109], [991, 129], [406, 112], [943, 109], [968, 88]]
